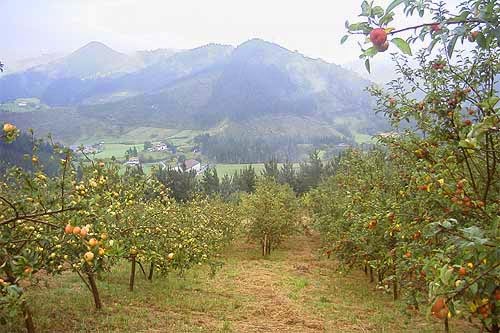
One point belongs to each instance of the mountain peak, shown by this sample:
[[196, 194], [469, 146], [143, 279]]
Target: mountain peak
[[257, 48], [91, 60], [95, 48], [260, 43]]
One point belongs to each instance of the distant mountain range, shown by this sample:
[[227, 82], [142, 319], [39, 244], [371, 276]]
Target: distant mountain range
[[258, 82]]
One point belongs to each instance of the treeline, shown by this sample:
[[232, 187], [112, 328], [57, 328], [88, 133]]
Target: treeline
[[186, 185], [20, 153], [244, 149]]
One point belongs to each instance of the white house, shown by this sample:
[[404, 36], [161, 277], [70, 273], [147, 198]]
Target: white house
[[192, 165], [158, 146], [133, 161]]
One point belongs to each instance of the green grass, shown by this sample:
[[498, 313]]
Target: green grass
[[23, 105], [139, 135], [362, 138], [117, 145], [230, 169], [293, 290], [117, 150]]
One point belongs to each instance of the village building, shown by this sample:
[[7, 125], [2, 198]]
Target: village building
[[133, 161]]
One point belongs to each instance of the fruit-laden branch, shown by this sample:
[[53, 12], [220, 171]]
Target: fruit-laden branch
[[141, 227], [422, 25], [11, 205], [87, 158], [63, 180], [456, 234], [42, 222], [469, 284], [34, 216]]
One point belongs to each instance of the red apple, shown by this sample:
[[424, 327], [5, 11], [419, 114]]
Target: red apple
[[378, 36]]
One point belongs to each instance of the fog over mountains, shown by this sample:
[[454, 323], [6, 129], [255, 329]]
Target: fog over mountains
[[257, 88]]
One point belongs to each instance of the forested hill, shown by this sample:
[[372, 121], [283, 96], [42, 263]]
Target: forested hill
[[258, 88], [28, 153]]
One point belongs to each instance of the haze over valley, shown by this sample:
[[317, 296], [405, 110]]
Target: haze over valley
[[256, 91]]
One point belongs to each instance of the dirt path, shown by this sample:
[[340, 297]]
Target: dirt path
[[270, 290], [297, 289]]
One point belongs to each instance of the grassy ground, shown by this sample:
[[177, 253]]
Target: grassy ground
[[229, 169], [295, 290], [23, 105], [117, 150]]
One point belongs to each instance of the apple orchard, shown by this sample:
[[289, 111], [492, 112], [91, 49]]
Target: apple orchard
[[422, 210], [419, 212]]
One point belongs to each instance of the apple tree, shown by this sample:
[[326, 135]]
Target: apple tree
[[271, 214], [430, 207]]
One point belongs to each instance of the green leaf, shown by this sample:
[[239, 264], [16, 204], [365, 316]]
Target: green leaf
[[393, 5], [402, 45], [459, 18], [388, 17], [481, 41], [431, 46], [365, 9], [343, 40], [378, 11], [451, 46], [359, 26], [367, 65], [370, 52]]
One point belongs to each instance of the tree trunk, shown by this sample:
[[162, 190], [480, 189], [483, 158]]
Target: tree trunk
[[446, 325], [95, 291], [494, 318], [132, 273], [371, 274], [395, 288], [151, 270], [28, 319], [265, 245], [366, 269], [142, 269], [395, 285]]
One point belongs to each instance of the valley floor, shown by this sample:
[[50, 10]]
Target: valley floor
[[295, 290]]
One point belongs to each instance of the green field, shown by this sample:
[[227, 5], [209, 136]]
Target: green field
[[23, 105], [117, 145], [230, 169], [117, 150], [142, 134]]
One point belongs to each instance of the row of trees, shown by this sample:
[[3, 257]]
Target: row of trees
[[301, 178], [19, 153], [238, 148], [423, 211], [88, 216]]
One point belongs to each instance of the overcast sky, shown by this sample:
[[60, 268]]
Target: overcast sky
[[313, 27]]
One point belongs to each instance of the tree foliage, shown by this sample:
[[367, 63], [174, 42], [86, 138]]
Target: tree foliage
[[271, 213], [424, 211]]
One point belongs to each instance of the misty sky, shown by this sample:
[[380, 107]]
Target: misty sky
[[314, 27]]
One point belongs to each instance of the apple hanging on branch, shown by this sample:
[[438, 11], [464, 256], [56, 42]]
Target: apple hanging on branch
[[475, 27]]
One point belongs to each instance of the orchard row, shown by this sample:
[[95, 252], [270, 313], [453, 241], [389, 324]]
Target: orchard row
[[421, 213], [89, 216]]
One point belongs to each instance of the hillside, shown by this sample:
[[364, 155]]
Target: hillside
[[258, 88]]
